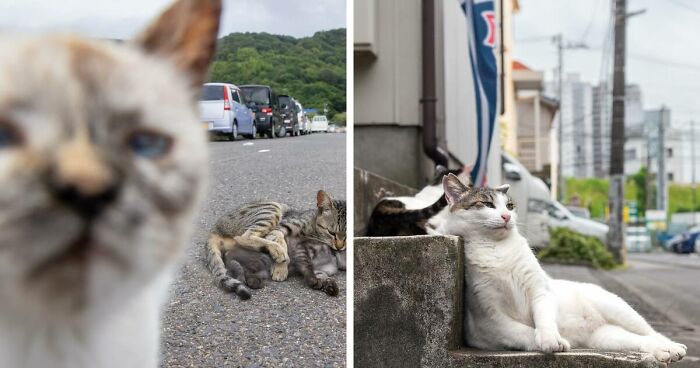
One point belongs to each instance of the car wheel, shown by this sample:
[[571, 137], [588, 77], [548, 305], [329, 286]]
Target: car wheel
[[282, 132], [254, 133], [234, 131], [271, 133]]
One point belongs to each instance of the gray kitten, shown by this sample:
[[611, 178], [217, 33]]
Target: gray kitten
[[103, 165]]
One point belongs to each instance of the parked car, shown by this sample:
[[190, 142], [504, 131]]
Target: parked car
[[319, 124], [332, 128], [289, 115], [560, 216], [637, 239], [264, 103], [223, 109], [304, 126], [685, 242], [580, 211]]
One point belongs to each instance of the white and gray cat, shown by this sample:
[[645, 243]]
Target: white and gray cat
[[513, 304], [103, 165]]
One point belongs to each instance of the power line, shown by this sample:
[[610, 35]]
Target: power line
[[684, 5]]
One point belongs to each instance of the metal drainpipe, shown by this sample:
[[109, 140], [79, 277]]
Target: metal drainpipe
[[429, 99]]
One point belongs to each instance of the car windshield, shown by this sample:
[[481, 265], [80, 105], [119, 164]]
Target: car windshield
[[284, 100], [212, 93], [259, 95]]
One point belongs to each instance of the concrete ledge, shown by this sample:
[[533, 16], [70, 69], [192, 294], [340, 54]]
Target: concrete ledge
[[408, 311], [367, 191]]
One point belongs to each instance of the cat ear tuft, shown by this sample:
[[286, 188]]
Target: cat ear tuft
[[323, 200], [453, 187], [186, 34], [503, 188]]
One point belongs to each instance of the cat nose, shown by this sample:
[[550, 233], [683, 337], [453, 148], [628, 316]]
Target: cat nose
[[80, 179], [339, 244], [505, 217], [86, 205]]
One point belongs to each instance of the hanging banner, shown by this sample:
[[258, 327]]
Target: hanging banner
[[481, 25]]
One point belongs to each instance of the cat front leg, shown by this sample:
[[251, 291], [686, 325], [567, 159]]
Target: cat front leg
[[305, 266], [544, 313], [279, 270]]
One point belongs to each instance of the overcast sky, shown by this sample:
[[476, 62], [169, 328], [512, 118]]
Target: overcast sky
[[662, 46], [124, 18]]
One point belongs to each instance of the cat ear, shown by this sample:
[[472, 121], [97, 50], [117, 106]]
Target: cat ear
[[503, 188], [453, 187], [186, 34], [323, 200]]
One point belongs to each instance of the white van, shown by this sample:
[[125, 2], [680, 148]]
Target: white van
[[319, 124], [532, 197]]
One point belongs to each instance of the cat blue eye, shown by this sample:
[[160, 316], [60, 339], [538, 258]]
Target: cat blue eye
[[149, 145], [8, 136]]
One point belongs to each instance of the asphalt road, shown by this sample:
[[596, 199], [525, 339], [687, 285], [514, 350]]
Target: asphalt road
[[663, 287], [284, 324]]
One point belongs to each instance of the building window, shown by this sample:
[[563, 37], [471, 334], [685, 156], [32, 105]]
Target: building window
[[669, 152], [630, 154], [670, 176]]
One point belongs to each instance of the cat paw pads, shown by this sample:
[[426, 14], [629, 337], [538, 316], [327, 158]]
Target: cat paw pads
[[330, 287]]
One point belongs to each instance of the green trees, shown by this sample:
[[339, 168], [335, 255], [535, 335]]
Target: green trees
[[311, 69]]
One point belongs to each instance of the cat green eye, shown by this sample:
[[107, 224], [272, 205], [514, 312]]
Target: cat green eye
[[510, 206], [149, 144], [488, 204], [9, 136]]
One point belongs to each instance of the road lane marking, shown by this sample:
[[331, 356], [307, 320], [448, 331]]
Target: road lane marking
[[248, 143], [264, 151]]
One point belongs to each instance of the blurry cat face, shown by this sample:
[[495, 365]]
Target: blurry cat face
[[488, 212], [330, 221], [102, 164]]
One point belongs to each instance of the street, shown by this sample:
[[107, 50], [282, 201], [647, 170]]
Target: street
[[285, 323], [662, 287]]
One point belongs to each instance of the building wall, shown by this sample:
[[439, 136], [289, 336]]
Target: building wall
[[388, 88], [577, 128]]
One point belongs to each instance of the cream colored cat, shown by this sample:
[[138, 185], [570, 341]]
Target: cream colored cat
[[102, 168]]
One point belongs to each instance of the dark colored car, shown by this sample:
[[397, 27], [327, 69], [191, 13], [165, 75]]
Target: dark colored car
[[290, 119], [263, 101]]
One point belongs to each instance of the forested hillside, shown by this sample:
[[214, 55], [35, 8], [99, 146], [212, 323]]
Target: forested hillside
[[311, 69]]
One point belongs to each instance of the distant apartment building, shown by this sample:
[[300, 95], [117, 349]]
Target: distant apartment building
[[535, 114], [577, 127]]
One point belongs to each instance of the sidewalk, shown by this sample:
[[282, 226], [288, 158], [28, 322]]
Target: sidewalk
[[649, 306]]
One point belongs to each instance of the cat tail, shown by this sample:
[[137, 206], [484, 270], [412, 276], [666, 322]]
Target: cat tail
[[215, 262], [393, 211]]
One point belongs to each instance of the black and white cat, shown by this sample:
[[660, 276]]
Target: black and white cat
[[402, 216], [514, 304]]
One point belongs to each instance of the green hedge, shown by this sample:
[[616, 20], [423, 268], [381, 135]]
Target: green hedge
[[571, 247]]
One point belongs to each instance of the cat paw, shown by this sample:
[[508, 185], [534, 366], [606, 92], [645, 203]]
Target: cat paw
[[278, 255], [550, 341], [280, 271], [254, 282], [668, 351], [330, 287]]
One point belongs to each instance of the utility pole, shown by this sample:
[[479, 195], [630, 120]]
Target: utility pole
[[692, 162], [617, 142], [661, 172], [558, 40]]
